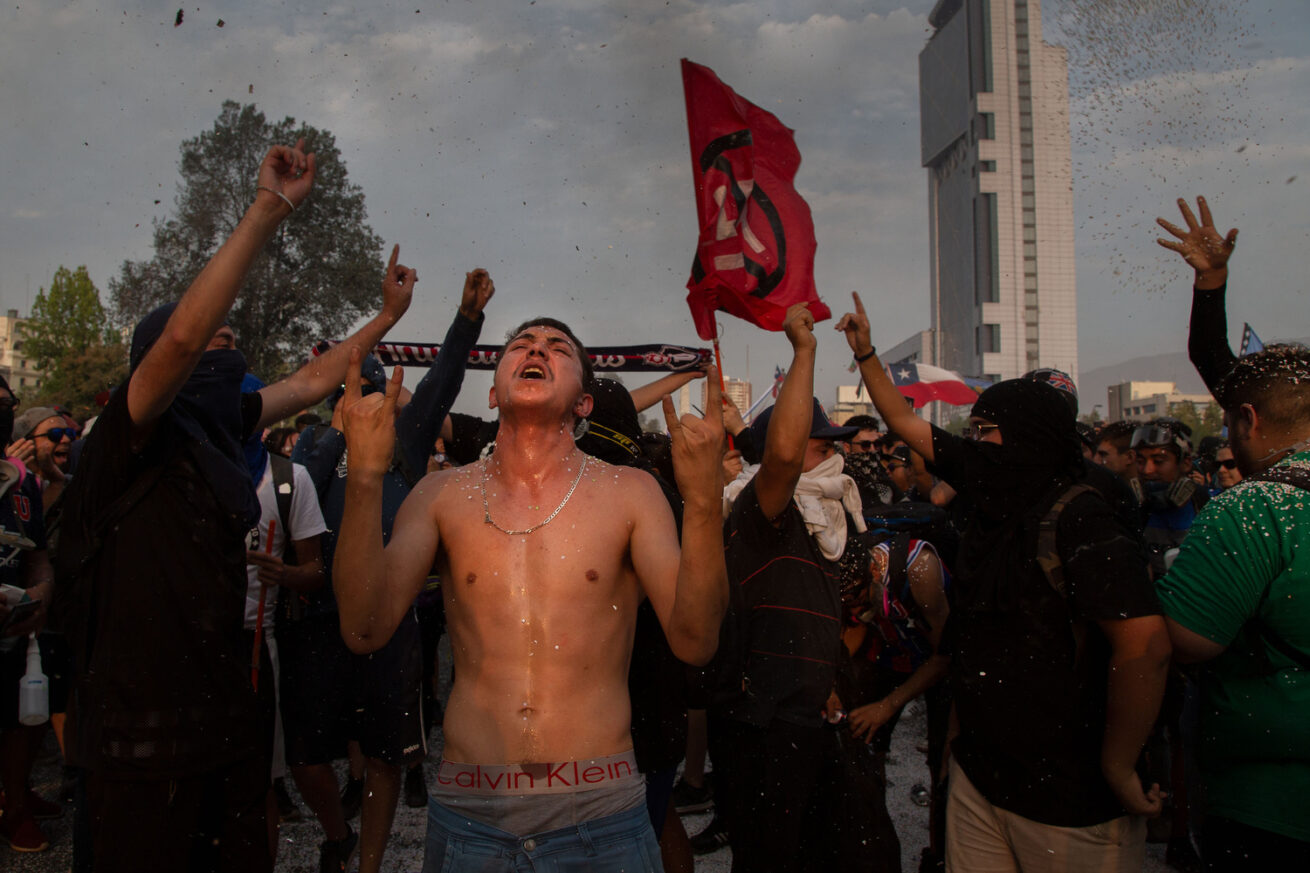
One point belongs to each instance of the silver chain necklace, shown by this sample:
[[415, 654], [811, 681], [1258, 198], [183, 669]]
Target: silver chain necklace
[[486, 511]]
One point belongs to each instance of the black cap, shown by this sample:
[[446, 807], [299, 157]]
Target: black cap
[[820, 427]]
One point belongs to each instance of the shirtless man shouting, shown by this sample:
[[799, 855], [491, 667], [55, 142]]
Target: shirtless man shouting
[[546, 554]]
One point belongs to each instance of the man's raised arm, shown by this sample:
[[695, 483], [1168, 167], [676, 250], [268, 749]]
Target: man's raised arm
[[285, 178], [322, 374], [890, 403], [701, 594], [782, 457], [1206, 252], [423, 420], [646, 396], [374, 587]]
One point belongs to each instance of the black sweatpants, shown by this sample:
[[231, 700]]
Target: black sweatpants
[[764, 781]]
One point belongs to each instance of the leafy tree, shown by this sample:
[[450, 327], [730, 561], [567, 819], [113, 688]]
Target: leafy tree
[[68, 318], [81, 375], [1203, 422], [313, 280]]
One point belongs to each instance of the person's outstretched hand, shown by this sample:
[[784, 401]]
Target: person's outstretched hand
[[1201, 246]]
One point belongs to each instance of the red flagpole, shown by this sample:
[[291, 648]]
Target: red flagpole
[[723, 388], [259, 617]]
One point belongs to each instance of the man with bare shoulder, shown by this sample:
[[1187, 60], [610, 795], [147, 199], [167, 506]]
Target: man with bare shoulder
[[546, 555]]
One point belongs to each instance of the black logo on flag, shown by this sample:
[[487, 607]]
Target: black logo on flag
[[723, 182]]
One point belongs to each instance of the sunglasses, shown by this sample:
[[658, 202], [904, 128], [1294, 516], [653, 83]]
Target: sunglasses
[[57, 434], [1228, 463]]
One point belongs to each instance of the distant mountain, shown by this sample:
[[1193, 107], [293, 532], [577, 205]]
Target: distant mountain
[[1173, 367]]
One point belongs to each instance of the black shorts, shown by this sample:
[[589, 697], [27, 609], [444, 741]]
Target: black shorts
[[330, 696]]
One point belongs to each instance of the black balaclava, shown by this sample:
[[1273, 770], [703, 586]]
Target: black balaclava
[[1039, 456], [6, 418], [208, 410], [1039, 446]]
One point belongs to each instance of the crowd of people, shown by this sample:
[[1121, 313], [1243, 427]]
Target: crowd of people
[[223, 601]]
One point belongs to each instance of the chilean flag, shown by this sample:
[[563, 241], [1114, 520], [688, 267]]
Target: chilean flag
[[755, 256], [925, 383]]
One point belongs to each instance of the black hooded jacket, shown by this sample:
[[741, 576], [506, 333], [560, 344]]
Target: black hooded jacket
[[1030, 699], [151, 580]]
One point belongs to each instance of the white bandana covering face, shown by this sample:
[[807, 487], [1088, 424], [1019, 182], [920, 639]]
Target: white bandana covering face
[[824, 496]]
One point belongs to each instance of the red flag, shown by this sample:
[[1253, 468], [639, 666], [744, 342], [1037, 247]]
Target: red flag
[[755, 255]]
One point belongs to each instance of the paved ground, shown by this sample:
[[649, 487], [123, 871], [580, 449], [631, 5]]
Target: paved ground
[[298, 849]]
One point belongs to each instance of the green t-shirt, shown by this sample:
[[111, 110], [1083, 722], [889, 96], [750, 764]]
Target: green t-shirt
[[1248, 553]]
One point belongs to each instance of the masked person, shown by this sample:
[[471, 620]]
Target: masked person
[[1171, 497], [151, 586], [1058, 650]]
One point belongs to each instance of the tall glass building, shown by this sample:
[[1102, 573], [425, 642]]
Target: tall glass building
[[994, 116]]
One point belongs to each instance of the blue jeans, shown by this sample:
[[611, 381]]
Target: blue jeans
[[623, 841]]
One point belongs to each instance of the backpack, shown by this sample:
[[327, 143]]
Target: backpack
[[290, 605]]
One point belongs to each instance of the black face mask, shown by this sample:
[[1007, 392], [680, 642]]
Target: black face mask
[[207, 410], [6, 426]]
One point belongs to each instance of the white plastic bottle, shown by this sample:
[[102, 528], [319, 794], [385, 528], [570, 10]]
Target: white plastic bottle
[[34, 688]]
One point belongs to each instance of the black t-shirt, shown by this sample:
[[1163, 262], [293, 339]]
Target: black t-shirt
[[782, 634], [1031, 706], [155, 619]]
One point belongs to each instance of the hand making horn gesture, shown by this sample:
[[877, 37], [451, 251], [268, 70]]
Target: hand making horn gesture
[[369, 421], [698, 445]]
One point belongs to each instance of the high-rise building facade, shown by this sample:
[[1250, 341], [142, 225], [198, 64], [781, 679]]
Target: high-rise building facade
[[736, 390], [994, 131]]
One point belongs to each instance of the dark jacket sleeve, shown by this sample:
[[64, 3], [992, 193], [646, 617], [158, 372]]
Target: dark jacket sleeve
[[1207, 338], [419, 423], [318, 450]]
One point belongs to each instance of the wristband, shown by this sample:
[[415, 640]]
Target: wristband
[[860, 359], [285, 198]]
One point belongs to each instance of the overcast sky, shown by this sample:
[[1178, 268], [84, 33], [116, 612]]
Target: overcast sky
[[546, 141]]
